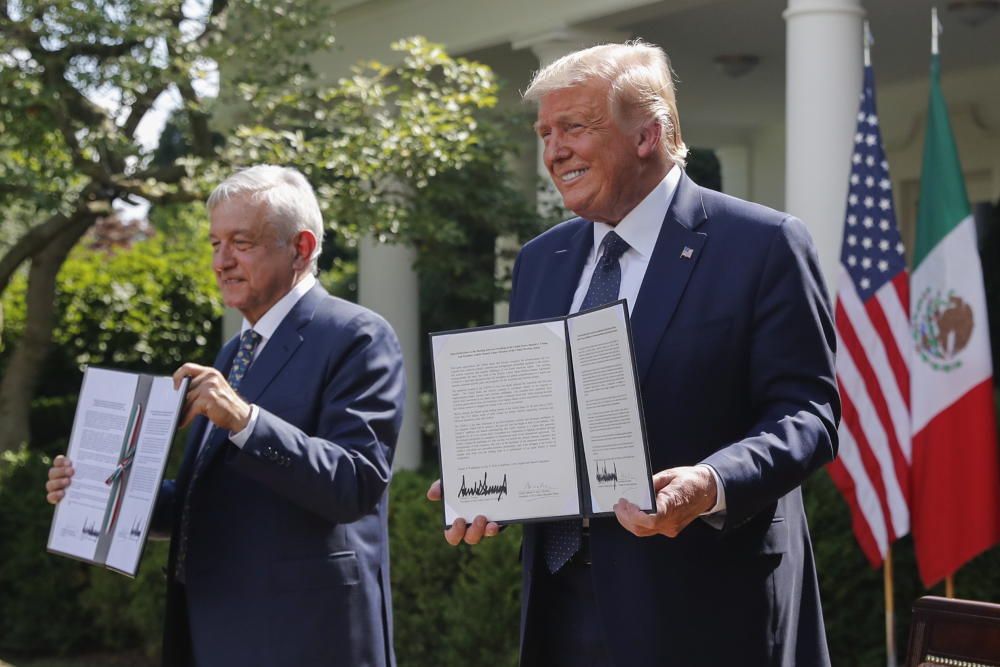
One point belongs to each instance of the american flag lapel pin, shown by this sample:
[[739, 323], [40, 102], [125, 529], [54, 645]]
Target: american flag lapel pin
[[687, 253]]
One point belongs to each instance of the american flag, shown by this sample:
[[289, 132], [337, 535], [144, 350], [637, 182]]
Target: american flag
[[873, 344]]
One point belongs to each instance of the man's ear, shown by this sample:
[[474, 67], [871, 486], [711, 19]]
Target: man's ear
[[304, 243], [649, 136]]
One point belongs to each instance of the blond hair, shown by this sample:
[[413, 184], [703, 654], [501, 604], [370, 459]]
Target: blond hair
[[641, 86]]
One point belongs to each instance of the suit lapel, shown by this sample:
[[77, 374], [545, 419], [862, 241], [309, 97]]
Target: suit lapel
[[563, 274], [677, 251], [280, 348]]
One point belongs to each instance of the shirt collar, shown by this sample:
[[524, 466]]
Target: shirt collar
[[269, 321], [641, 226]]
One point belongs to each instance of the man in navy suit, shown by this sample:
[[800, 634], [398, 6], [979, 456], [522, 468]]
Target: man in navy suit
[[734, 346], [279, 547]]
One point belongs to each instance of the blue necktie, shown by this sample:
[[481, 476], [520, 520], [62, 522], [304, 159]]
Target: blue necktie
[[561, 539], [244, 355]]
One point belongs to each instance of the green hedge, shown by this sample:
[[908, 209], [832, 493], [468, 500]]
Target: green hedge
[[852, 592], [52, 605], [449, 603], [149, 307]]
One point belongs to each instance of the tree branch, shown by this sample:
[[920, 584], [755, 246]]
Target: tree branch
[[36, 238], [214, 23], [141, 107], [99, 51], [201, 135], [24, 367]]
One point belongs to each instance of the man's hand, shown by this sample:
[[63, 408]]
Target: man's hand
[[60, 475], [682, 494], [472, 534], [209, 394]]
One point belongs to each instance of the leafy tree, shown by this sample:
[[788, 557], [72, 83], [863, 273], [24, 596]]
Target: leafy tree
[[77, 79]]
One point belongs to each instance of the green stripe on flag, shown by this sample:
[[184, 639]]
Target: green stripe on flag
[[943, 200]]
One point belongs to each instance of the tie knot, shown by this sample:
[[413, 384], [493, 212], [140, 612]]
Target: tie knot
[[249, 340], [614, 247]]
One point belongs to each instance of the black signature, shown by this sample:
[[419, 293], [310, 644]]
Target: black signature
[[605, 475], [484, 488]]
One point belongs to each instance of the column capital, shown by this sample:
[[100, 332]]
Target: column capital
[[553, 43], [797, 8]]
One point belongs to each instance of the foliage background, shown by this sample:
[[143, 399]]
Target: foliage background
[[153, 305]]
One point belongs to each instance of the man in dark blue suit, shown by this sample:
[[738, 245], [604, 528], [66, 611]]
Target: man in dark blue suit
[[734, 344], [279, 553]]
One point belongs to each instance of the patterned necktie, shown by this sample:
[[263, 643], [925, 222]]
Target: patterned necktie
[[561, 539], [244, 355]]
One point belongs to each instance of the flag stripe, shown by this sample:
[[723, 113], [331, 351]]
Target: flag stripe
[[867, 519], [943, 200], [874, 390], [889, 378], [958, 515], [866, 429], [878, 350], [956, 470], [893, 327], [873, 347]]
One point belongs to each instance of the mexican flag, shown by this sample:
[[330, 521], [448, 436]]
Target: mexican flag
[[956, 467]]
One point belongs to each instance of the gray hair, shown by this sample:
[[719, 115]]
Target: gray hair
[[641, 86], [289, 200]]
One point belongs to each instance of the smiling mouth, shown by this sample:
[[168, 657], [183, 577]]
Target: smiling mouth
[[571, 176]]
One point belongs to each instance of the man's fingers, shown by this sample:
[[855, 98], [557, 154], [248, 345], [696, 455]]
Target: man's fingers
[[633, 519], [434, 492], [57, 484], [190, 412], [58, 472], [181, 373], [663, 478], [59, 479], [189, 370], [475, 531], [470, 533], [455, 534]]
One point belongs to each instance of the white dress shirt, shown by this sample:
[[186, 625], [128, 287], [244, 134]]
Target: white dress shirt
[[640, 228], [265, 327]]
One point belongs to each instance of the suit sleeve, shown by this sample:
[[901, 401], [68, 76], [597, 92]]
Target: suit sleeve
[[162, 521], [341, 472], [512, 310], [792, 382]]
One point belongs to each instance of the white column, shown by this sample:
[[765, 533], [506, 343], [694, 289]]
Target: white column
[[734, 163], [548, 46], [388, 285], [232, 320], [823, 82]]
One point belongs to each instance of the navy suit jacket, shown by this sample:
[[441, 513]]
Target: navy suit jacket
[[735, 353], [288, 555]]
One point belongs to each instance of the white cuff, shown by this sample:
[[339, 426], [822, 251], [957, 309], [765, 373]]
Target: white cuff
[[720, 492], [240, 439]]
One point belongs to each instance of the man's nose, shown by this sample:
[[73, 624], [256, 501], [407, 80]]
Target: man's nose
[[222, 257], [555, 149]]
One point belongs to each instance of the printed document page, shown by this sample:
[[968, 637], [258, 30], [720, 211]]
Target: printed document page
[[102, 420], [506, 423], [135, 507], [607, 395]]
